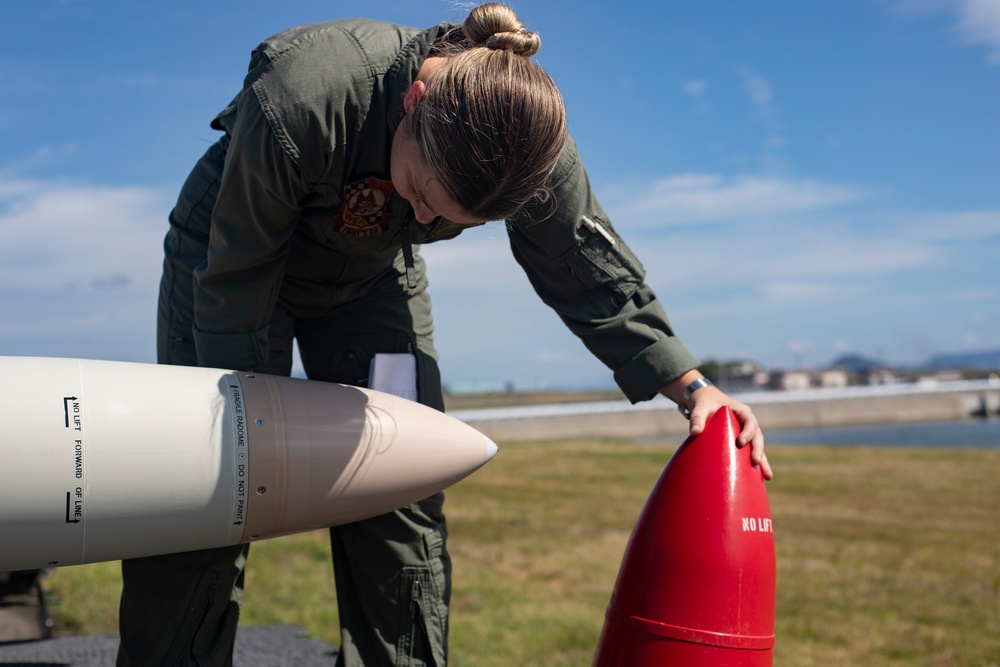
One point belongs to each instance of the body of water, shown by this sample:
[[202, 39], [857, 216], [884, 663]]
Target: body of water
[[983, 433]]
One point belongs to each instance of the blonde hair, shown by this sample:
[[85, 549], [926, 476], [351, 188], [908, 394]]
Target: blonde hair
[[493, 123]]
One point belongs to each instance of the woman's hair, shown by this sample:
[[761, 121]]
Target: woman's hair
[[493, 123]]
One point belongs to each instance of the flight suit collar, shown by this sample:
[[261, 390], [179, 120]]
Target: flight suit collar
[[403, 71]]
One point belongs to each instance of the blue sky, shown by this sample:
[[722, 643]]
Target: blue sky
[[800, 179]]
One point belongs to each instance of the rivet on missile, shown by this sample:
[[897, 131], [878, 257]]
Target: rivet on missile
[[259, 422], [261, 490]]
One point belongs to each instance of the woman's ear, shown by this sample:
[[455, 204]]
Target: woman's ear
[[416, 94]]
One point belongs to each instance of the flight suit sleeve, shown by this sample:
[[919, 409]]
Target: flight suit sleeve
[[252, 224], [582, 269]]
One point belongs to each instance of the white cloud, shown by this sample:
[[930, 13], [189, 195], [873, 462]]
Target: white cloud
[[760, 91], [792, 241], [808, 257], [798, 290], [801, 266], [695, 87], [761, 94], [977, 22], [86, 261], [836, 252], [953, 225], [79, 269], [780, 255], [58, 234], [692, 198]]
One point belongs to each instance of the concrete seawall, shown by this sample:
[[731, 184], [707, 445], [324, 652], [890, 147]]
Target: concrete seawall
[[774, 410]]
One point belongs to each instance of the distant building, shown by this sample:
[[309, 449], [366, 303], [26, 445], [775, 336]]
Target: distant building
[[832, 377], [742, 376], [877, 375], [782, 380], [939, 376], [790, 380]]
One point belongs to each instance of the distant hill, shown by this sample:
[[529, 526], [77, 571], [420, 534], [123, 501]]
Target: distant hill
[[987, 360], [855, 363], [979, 361]]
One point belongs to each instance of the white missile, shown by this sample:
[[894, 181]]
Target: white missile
[[103, 460]]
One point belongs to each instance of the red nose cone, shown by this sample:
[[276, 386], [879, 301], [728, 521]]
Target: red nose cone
[[696, 585]]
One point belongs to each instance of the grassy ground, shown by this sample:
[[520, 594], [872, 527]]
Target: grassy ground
[[886, 557]]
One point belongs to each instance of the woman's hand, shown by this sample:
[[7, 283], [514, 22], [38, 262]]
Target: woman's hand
[[702, 403]]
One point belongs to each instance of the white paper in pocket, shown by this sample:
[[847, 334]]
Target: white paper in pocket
[[394, 374]]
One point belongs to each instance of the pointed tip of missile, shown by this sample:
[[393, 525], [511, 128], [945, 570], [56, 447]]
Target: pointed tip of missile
[[491, 448]]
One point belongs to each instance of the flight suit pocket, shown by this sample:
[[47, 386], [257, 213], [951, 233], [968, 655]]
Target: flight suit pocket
[[421, 629], [177, 347], [195, 616], [608, 274], [343, 359], [347, 359]]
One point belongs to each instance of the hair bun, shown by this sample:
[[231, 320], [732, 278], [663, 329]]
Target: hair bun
[[522, 43], [496, 26]]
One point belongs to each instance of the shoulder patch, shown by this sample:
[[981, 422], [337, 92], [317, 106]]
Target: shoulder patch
[[364, 211]]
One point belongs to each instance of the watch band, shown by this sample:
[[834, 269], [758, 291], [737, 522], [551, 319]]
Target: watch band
[[695, 386]]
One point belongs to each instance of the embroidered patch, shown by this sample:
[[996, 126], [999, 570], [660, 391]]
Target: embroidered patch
[[363, 213]]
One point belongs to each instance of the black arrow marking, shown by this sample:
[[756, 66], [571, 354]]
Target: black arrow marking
[[66, 400], [68, 520]]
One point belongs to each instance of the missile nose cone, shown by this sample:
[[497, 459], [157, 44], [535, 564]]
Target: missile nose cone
[[696, 584], [378, 450], [103, 460]]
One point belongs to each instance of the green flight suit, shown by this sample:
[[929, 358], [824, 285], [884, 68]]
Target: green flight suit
[[288, 228]]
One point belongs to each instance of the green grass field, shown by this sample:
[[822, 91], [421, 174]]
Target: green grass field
[[886, 557]]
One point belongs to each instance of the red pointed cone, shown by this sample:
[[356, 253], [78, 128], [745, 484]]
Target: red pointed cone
[[696, 585]]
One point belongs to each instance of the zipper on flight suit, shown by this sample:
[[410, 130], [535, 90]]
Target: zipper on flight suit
[[198, 610], [419, 623]]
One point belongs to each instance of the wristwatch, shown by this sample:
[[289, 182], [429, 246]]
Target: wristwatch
[[688, 391], [695, 386]]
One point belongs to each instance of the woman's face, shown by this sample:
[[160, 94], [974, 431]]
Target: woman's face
[[417, 184]]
